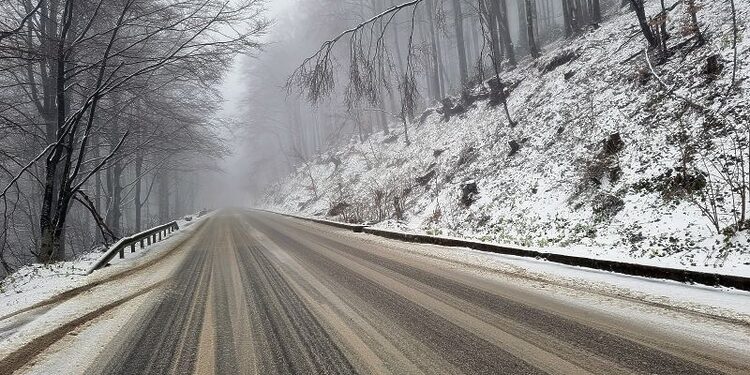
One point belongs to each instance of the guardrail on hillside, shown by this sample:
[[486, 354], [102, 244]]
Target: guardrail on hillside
[[632, 269], [144, 238], [624, 268]]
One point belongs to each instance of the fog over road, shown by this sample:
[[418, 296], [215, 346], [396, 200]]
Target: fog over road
[[265, 294]]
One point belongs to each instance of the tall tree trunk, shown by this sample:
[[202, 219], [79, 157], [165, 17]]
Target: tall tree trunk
[[694, 25], [381, 99], [109, 184], [382, 118], [567, 18], [663, 36], [596, 11], [505, 32], [138, 204], [97, 199], [476, 45], [114, 198], [177, 202], [530, 22], [583, 13], [458, 20], [51, 218], [491, 20], [523, 35], [164, 211], [435, 78], [116, 208], [501, 11], [575, 15], [550, 14], [192, 193], [640, 12], [444, 79], [734, 45], [397, 44]]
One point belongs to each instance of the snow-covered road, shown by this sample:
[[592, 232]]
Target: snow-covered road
[[249, 292]]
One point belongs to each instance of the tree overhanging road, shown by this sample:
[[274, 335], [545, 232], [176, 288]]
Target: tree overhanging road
[[260, 293]]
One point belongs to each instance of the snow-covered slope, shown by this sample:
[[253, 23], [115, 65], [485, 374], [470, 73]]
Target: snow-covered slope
[[610, 163]]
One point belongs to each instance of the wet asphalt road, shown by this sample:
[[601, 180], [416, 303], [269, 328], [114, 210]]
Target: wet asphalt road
[[263, 294]]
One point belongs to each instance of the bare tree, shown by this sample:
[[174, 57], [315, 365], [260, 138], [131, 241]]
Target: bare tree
[[80, 54], [9, 30], [734, 44], [530, 22], [499, 9], [458, 21], [692, 10], [640, 12], [315, 76]]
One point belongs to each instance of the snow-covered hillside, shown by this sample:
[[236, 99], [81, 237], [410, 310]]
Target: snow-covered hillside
[[605, 158]]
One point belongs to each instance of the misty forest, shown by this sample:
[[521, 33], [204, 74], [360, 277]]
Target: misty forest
[[604, 128]]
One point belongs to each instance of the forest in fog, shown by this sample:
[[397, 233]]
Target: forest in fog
[[403, 57], [111, 111], [106, 116]]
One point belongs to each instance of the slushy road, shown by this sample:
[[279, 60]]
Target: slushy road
[[265, 294]]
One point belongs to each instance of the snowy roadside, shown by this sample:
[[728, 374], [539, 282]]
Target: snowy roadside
[[717, 302], [74, 353], [38, 282], [733, 264]]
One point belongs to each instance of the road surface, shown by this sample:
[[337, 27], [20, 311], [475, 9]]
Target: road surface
[[259, 293]]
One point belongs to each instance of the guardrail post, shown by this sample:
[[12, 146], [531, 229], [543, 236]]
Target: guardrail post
[[141, 243], [132, 247], [122, 252], [159, 235]]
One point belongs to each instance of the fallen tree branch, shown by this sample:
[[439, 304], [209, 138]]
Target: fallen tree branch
[[317, 79]]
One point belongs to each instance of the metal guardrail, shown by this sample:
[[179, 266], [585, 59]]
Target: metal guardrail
[[357, 228], [143, 239], [632, 269], [624, 268]]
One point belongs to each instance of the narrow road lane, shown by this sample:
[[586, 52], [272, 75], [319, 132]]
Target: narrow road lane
[[263, 294]]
